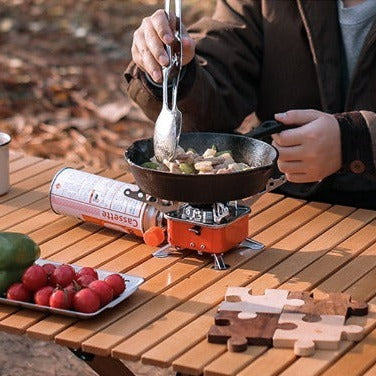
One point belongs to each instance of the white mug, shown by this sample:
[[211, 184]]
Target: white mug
[[4, 163]]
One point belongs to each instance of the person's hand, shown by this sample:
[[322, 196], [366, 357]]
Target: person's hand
[[148, 50], [312, 151]]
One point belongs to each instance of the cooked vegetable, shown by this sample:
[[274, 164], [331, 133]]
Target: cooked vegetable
[[187, 168], [151, 165], [204, 166], [209, 153], [220, 153]]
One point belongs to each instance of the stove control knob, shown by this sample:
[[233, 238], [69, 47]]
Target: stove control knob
[[154, 236], [195, 229]]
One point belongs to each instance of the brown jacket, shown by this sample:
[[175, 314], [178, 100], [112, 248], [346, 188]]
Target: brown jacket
[[271, 56]]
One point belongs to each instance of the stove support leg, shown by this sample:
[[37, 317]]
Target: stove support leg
[[219, 263], [252, 244], [163, 252]]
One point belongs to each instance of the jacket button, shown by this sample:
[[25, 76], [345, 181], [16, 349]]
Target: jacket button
[[357, 167]]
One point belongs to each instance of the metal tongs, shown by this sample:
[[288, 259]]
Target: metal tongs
[[168, 125]]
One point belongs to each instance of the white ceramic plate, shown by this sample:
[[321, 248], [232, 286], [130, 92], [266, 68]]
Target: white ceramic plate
[[131, 282]]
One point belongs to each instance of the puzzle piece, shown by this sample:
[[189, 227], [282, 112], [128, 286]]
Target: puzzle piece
[[239, 329], [285, 319], [310, 332], [334, 304], [273, 301]]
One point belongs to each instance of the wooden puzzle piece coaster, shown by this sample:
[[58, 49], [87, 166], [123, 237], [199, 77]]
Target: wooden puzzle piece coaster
[[273, 301], [334, 304], [285, 319], [308, 332], [239, 329]]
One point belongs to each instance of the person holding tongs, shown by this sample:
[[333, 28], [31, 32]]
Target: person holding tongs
[[309, 64]]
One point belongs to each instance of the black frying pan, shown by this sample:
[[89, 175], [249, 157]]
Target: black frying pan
[[205, 189]]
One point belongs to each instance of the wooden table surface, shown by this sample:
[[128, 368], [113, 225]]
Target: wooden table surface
[[162, 327]]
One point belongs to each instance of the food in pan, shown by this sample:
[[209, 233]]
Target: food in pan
[[189, 162]]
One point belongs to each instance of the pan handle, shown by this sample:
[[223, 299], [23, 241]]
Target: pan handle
[[267, 128]]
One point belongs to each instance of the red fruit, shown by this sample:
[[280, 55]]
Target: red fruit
[[85, 280], [116, 282], [104, 291], [72, 288], [49, 268], [42, 296], [86, 301], [34, 277], [87, 271], [60, 299], [18, 291], [63, 275], [70, 294]]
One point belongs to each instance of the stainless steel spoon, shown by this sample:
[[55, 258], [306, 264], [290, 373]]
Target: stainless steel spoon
[[168, 125]]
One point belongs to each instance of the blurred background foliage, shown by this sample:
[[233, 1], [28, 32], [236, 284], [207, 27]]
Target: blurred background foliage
[[62, 93]]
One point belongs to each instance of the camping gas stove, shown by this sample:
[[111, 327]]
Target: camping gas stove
[[214, 228], [206, 228]]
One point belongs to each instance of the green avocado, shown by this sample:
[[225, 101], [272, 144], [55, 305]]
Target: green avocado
[[17, 252]]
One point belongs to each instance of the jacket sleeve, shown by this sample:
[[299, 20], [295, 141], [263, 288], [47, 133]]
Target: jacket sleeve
[[219, 86], [358, 140]]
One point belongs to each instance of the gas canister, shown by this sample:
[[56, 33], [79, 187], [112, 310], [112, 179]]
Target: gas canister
[[102, 201]]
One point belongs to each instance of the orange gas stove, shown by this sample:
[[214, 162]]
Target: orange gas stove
[[214, 229]]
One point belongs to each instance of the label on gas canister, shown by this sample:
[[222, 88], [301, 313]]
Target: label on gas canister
[[96, 199]]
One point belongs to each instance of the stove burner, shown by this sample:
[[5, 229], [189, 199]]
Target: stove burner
[[209, 214]]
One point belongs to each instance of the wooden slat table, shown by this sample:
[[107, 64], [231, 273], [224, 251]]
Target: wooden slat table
[[161, 329]]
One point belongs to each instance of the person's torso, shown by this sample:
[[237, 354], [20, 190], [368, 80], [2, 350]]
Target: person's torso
[[303, 67], [303, 62]]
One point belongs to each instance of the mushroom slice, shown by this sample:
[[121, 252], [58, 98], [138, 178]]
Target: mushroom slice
[[209, 153], [215, 160], [172, 166], [205, 166]]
